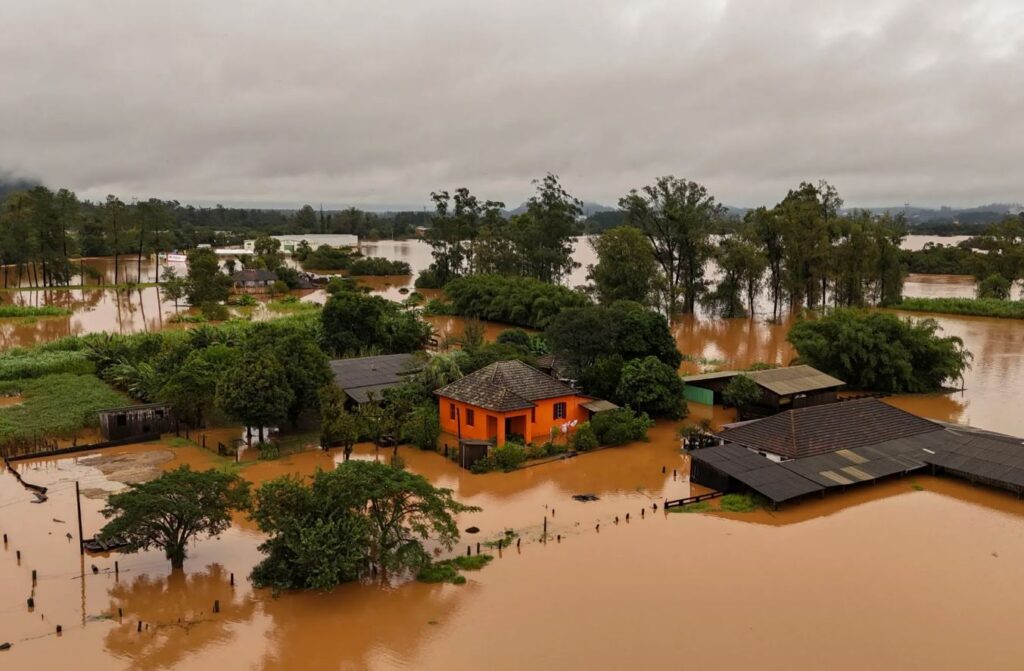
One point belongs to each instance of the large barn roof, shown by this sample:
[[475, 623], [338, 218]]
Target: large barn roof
[[504, 386], [819, 429]]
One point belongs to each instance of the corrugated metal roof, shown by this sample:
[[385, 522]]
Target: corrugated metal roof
[[761, 474], [598, 405], [716, 375], [794, 380]]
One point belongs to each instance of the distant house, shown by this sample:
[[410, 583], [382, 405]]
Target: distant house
[[510, 398], [290, 242], [253, 281], [781, 388], [364, 379]]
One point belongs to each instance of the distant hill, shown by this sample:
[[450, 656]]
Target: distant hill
[[9, 183], [589, 209]]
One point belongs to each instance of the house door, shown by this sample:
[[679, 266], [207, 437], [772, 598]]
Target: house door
[[508, 427]]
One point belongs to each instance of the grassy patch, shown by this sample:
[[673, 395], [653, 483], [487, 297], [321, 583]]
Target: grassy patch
[[916, 487], [20, 364], [505, 541], [699, 507], [739, 503], [291, 304], [53, 406], [448, 570], [186, 318], [976, 307], [32, 311]]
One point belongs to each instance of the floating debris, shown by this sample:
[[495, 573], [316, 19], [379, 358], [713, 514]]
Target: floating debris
[[473, 530], [585, 497]]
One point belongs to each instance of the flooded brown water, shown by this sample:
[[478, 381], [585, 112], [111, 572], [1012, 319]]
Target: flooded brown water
[[784, 590]]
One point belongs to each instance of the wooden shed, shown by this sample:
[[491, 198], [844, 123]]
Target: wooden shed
[[136, 422]]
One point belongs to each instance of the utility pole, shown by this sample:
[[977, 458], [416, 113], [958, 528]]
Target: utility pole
[[78, 503]]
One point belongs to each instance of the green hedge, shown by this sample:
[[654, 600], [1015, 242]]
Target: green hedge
[[976, 307], [521, 301], [32, 311]]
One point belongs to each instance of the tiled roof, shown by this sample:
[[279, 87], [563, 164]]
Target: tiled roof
[[806, 432], [504, 386]]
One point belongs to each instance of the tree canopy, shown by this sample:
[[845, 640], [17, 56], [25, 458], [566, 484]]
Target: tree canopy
[[361, 516], [174, 509], [881, 352]]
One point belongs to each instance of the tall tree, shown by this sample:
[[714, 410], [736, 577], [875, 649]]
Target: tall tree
[[543, 235], [255, 390], [174, 509], [625, 268], [677, 216], [114, 211]]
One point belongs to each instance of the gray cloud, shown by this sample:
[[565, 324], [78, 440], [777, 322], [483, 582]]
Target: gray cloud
[[378, 103]]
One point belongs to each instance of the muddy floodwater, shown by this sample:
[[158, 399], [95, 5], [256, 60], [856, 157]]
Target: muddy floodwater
[[916, 570], [914, 573]]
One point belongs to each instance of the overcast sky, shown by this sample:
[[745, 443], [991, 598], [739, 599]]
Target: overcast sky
[[378, 102]]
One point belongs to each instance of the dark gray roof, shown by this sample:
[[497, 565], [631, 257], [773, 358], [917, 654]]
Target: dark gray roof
[[254, 275], [993, 457], [361, 376], [504, 386], [819, 429], [761, 474]]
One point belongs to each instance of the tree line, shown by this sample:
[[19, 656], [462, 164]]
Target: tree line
[[42, 230], [670, 252]]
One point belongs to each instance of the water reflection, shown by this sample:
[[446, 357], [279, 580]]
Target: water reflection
[[177, 614]]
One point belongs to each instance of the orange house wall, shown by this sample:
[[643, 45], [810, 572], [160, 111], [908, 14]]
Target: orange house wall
[[538, 423]]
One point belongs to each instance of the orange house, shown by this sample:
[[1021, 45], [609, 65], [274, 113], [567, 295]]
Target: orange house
[[509, 398]]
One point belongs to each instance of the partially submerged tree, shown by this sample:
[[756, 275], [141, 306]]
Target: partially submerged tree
[[880, 351], [362, 516], [338, 426], [625, 268], [174, 509]]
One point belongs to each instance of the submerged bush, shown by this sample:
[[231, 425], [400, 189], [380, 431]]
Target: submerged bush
[[620, 426], [977, 307], [584, 439], [507, 457]]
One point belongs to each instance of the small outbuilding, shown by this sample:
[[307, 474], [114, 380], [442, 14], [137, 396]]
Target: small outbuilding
[[783, 388], [136, 422]]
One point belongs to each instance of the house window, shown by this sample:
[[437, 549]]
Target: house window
[[560, 410], [533, 415], [451, 411], [122, 420], [469, 417]]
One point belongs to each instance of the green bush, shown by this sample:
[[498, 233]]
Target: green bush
[[507, 457], [620, 426], [520, 301], [536, 451], [428, 279], [373, 265], [739, 503], [585, 438]]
